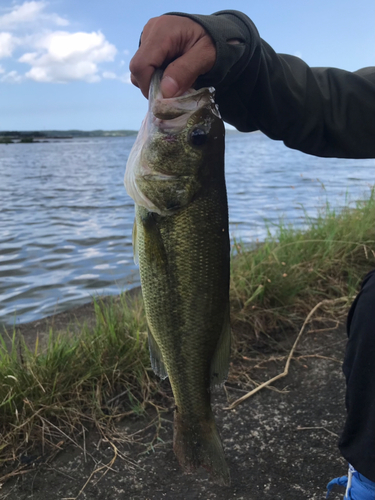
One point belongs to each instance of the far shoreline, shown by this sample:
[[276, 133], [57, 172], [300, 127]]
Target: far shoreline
[[40, 136]]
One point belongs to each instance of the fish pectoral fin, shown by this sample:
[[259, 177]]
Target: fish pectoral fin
[[135, 243], [220, 361], [156, 357]]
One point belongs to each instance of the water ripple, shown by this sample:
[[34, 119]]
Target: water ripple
[[66, 220]]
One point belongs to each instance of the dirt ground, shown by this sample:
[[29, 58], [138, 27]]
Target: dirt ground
[[278, 445]]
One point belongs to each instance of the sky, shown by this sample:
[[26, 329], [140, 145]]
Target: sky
[[64, 64]]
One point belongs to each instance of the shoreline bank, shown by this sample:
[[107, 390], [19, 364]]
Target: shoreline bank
[[73, 318]]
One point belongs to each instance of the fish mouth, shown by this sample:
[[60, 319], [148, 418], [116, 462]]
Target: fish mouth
[[174, 112], [166, 124]]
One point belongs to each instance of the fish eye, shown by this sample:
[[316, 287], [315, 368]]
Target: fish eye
[[198, 137]]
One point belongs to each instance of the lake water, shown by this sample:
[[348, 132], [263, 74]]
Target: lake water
[[66, 220]]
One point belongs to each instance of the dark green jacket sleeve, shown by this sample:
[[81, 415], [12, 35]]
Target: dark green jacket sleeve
[[321, 111]]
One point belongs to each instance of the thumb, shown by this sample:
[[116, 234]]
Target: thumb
[[181, 74]]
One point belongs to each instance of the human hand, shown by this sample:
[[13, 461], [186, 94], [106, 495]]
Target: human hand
[[179, 45]]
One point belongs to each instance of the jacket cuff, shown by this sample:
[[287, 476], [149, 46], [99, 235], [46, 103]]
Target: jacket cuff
[[231, 59]]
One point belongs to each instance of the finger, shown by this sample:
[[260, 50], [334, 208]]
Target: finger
[[163, 40], [134, 81], [182, 73], [142, 78], [158, 46]]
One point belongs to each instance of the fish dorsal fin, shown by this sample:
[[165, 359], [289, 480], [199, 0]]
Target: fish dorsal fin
[[135, 243], [156, 357], [220, 361]]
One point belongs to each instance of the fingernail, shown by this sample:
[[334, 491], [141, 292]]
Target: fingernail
[[169, 87]]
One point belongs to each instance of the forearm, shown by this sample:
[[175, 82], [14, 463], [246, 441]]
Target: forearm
[[320, 111]]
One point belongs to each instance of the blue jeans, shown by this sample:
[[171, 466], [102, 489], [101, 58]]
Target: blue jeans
[[358, 487]]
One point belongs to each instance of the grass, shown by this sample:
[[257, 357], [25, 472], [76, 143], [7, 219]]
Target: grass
[[74, 381], [279, 282], [54, 391]]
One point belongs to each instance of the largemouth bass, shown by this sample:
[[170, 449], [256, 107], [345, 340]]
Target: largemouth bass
[[175, 174]]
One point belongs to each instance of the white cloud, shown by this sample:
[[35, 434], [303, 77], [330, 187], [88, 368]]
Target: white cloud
[[2, 70], [125, 78], [11, 77], [7, 44], [29, 12], [52, 56], [62, 57], [109, 75]]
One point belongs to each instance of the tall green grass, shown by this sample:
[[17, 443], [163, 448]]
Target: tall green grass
[[280, 281], [75, 379]]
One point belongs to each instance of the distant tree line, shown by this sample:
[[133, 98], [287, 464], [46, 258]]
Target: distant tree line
[[64, 134]]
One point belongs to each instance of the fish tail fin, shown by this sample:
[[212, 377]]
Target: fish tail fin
[[200, 445]]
